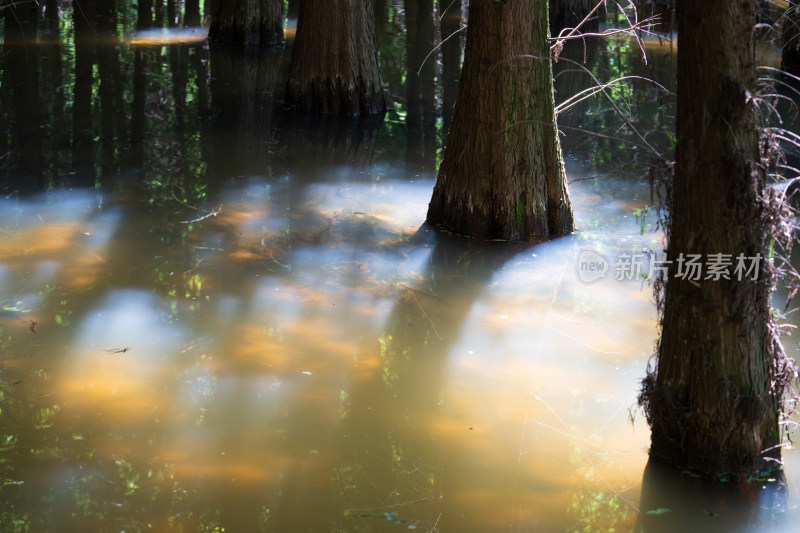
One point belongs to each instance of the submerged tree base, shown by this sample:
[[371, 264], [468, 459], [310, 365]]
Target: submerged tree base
[[327, 95], [502, 173], [334, 66]]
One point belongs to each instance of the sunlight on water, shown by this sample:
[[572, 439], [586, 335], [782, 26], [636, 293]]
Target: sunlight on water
[[168, 36], [480, 387]]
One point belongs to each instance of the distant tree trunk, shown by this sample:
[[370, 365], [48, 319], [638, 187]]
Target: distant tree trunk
[[452, 20], [502, 174], [144, 14], [713, 401], [334, 67], [569, 13], [209, 6], [136, 152], [248, 22], [112, 120], [172, 16], [21, 76], [418, 22], [790, 56], [192, 16], [159, 13], [83, 15], [293, 10]]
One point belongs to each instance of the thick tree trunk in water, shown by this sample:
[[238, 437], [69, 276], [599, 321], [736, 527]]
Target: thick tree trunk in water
[[502, 175], [713, 400], [248, 22], [334, 66]]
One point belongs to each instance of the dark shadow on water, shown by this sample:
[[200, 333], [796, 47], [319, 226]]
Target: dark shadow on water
[[672, 501]]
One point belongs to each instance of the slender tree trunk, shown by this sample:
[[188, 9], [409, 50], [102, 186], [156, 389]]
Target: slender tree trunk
[[140, 61], [82, 135], [159, 13], [172, 16], [570, 13], [248, 22], [790, 30], [414, 26], [502, 175], [334, 67], [144, 14], [21, 75], [713, 401], [209, 6], [452, 20], [110, 92], [191, 17]]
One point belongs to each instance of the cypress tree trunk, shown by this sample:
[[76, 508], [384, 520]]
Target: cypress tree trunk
[[502, 174], [248, 22], [713, 400], [334, 66]]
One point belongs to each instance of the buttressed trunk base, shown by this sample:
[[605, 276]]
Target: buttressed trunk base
[[334, 66], [502, 174]]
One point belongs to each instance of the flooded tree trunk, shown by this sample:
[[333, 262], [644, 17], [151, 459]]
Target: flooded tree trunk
[[502, 175], [713, 401], [191, 17], [334, 67], [248, 22]]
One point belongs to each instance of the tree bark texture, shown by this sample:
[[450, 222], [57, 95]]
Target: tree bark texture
[[502, 173], [334, 67], [713, 400], [258, 22]]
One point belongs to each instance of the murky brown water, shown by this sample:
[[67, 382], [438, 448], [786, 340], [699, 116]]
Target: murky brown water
[[241, 324]]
